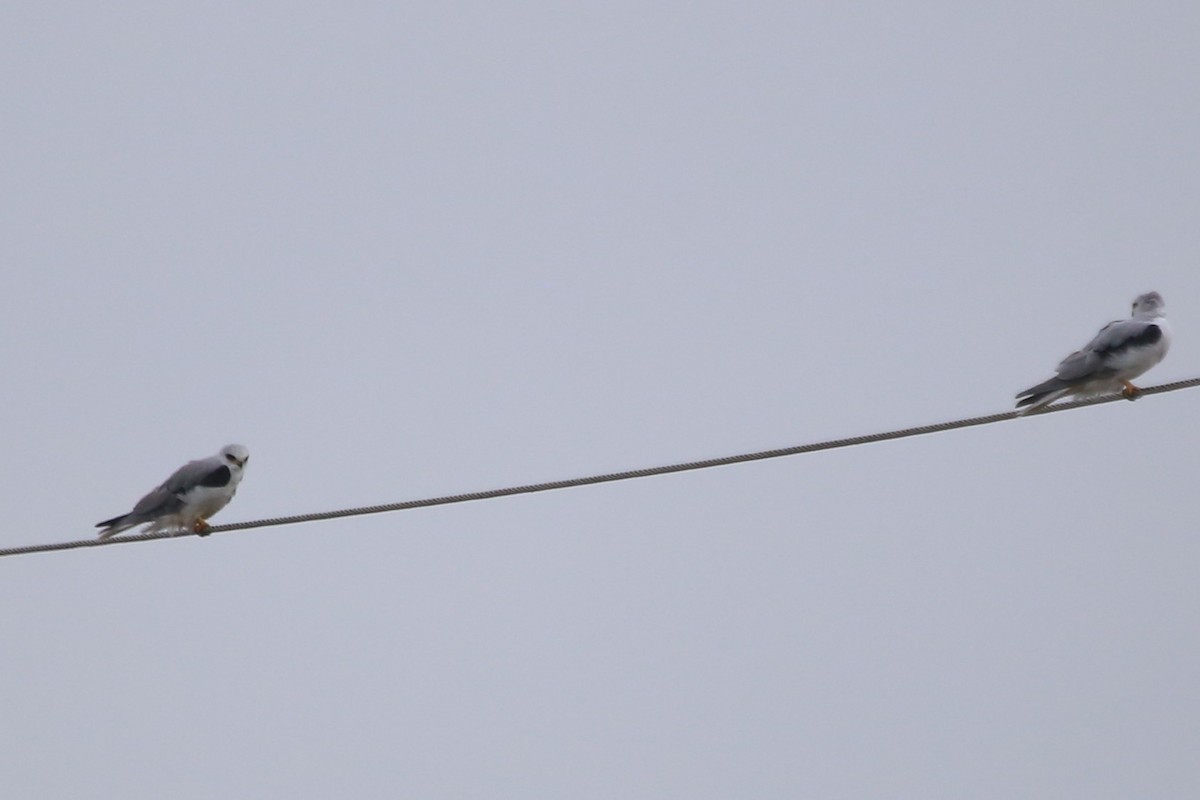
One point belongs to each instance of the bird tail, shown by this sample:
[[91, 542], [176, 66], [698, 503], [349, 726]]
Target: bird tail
[[1042, 395], [116, 525]]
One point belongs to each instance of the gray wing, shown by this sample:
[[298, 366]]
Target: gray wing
[[1090, 361], [1080, 365], [159, 503], [1116, 336], [210, 471], [168, 498]]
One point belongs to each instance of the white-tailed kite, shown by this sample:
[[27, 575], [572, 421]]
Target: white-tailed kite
[[1121, 351], [186, 500]]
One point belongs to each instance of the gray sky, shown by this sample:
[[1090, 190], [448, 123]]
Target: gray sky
[[410, 250]]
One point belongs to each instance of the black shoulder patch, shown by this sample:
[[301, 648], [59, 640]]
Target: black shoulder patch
[[1149, 336], [1144, 339], [218, 477]]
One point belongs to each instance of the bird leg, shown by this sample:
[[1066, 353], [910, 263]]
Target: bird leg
[[201, 527], [1130, 392]]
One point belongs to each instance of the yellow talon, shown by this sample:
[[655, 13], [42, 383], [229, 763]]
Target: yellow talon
[[1130, 392], [201, 527]]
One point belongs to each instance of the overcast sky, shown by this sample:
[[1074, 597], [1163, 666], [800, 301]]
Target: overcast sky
[[404, 250]]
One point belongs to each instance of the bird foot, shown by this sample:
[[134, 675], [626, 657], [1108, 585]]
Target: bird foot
[[1130, 392], [201, 527]]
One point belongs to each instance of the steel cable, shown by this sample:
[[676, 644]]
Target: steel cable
[[831, 444]]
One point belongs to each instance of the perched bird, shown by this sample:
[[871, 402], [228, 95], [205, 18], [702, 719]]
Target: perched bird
[[186, 500], [1121, 351]]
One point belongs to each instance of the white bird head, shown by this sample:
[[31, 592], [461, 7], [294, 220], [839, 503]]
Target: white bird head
[[1149, 306], [235, 455]]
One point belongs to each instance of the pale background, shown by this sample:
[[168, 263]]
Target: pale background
[[406, 250]]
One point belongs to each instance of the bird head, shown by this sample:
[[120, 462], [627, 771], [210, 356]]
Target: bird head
[[1149, 305], [235, 455]]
